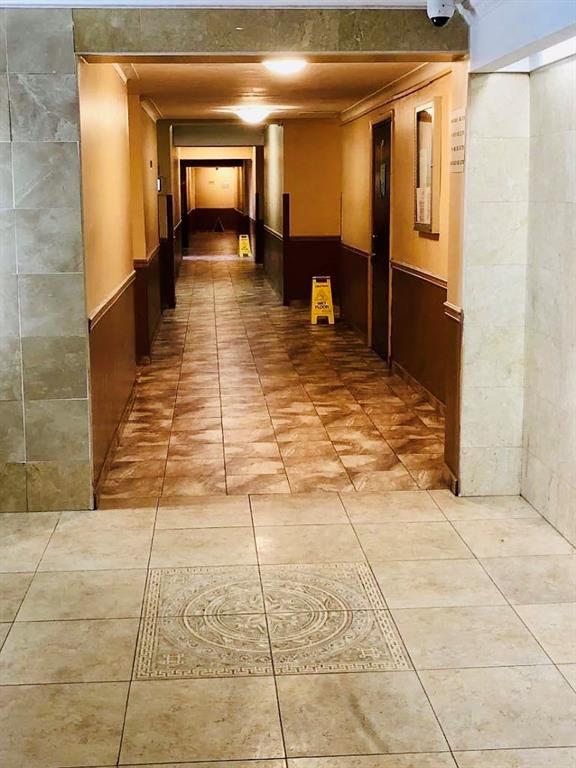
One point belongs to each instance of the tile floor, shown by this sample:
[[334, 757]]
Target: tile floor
[[399, 629], [244, 396], [270, 583]]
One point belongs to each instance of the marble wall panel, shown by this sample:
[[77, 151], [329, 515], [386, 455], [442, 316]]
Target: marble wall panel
[[39, 41], [44, 107], [45, 453], [494, 283], [266, 29], [549, 444]]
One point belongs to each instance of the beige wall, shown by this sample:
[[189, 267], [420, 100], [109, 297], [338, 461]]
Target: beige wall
[[216, 187], [312, 176], [273, 176], [549, 444], [105, 181], [149, 160], [407, 245]]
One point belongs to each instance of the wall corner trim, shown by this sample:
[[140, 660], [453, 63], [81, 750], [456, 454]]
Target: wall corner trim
[[401, 266], [101, 310], [140, 263], [453, 311]]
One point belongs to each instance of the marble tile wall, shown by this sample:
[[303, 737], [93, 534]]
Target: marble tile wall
[[265, 29], [44, 407], [494, 283], [549, 448]]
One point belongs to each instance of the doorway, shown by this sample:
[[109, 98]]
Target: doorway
[[380, 255]]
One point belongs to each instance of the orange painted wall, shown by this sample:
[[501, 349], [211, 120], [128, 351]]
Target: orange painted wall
[[313, 175], [105, 181]]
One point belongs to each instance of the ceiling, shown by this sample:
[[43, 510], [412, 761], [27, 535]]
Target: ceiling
[[210, 90]]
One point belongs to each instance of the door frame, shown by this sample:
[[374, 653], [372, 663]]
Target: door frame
[[381, 117]]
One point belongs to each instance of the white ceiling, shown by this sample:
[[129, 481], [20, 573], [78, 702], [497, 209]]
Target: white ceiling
[[210, 90]]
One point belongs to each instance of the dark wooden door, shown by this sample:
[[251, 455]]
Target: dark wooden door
[[381, 141]]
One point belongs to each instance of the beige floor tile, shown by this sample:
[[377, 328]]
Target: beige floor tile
[[13, 587], [220, 719], [503, 707], [38, 731], [298, 509], [205, 512], [554, 626], [537, 579], [104, 520], [410, 541], [518, 758], [356, 713], [181, 448], [203, 546], [508, 538], [307, 544], [220, 764], [84, 595], [105, 550], [4, 629], [436, 583], [482, 508], [249, 484], [420, 760], [443, 638], [569, 672], [400, 506], [23, 539], [69, 652]]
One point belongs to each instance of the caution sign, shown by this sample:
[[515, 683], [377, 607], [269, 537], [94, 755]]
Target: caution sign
[[244, 250], [322, 308]]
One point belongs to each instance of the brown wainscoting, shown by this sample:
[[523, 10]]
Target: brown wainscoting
[[453, 320], [178, 245], [112, 368], [353, 287], [147, 303], [306, 257], [205, 219], [274, 259], [419, 339]]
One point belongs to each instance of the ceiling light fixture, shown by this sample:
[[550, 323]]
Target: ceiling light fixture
[[285, 66], [252, 115]]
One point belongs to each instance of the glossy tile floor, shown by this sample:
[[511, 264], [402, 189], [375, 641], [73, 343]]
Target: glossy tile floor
[[402, 629], [277, 578], [245, 396]]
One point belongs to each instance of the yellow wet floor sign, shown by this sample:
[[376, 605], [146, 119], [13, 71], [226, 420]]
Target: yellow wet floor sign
[[321, 307], [244, 250]]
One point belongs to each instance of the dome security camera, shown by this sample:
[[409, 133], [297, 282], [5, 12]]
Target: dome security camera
[[440, 11]]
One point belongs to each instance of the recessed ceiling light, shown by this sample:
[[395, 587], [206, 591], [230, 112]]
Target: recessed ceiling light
[[285, 66], [253, 115]]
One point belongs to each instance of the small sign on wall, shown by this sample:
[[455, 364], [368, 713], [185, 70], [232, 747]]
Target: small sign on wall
[[457, 140]]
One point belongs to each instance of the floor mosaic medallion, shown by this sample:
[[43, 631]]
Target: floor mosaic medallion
[[213, 622]]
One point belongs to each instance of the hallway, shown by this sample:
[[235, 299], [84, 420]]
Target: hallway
[[245, 396]]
